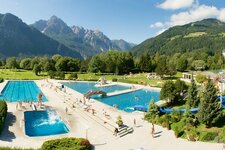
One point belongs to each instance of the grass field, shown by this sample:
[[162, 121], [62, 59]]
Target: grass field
[[195, 34], [19, 74], [133, 79]]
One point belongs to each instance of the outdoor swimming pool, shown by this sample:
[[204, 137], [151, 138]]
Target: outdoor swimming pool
[[125, 101], [128, 100], [21, 91], [84, 87], [44, 123]]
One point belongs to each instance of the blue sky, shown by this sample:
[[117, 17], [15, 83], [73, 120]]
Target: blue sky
[[131, 20]]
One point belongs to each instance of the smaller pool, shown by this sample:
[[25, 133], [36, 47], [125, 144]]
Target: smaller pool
[[44, 123]]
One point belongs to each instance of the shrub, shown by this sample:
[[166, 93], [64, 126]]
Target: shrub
[[67, 144], [114, 79], [1, 80], [56, 75], [73, 76], [176, 116], [192, 133], [208, 136], [3, 113], [178, 128], [119, 121], [61, 75], [165, 120], [51, 74]]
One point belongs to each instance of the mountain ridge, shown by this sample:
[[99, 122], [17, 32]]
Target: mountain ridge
[[85, 41], [206, 35]]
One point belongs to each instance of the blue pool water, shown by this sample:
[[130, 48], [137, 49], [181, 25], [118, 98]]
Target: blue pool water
[[43, 123], [129, 100], [84, 87], [21, 91]]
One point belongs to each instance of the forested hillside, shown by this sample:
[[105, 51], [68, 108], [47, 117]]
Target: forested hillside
[[206, 36]]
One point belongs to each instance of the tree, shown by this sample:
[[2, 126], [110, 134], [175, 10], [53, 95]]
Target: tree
[[192, 99], [209, 111], [161, 68], [168, 91], [11, 63], [84, 65], [198, 65], [61, 64], [34, 61], [25, 64], [153, 112], [180, 89], [73, 64], [37, 69], [56, 57], [96, 64], [182, 64], [145, 63], [171, 68], [49, 65]]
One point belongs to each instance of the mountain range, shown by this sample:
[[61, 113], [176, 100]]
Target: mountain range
[[19, 39], [207, 35], [54, 36], [85, 41]]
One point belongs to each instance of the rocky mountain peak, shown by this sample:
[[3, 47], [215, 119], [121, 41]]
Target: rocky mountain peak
[[86, 41]]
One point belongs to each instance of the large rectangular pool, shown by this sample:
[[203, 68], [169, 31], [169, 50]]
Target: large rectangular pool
[[44, 123], [84, 87], [21, 91]]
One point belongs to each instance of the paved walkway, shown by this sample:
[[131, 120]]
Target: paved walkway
[[85, 124]]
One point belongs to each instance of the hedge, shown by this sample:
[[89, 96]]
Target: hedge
[[208, 136], [67, 144], [1, 80], [3, 113]]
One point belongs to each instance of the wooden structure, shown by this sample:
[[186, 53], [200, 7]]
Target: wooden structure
[[90, 93]]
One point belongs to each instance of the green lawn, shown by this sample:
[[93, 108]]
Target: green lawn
[[19, 74], [133, 79]]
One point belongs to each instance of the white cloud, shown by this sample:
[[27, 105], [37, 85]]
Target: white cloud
[[198, 13], [157, 25], [176, 4], [222, 15]]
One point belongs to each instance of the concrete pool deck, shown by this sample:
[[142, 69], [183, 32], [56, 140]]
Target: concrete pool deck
[[84, 124]]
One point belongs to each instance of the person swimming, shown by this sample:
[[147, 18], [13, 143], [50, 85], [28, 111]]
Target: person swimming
[[136, 98]]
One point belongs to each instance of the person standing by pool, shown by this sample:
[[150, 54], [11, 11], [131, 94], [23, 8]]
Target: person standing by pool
[[115, 131], [66, 110], [153, 130], [134, 122], [40, 99]]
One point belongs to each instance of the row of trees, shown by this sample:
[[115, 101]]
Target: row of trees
[[180, 62], [45, 64], [119, 62]]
